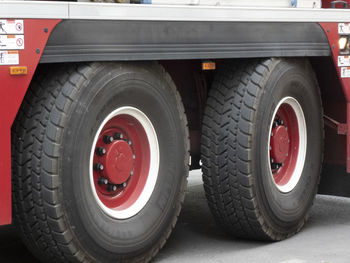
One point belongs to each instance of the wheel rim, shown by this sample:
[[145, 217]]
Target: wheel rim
[[287, 144], [124, 162]]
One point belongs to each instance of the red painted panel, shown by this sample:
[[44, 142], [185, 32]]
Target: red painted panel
[[327, 3], [331, 30], [12, 91]]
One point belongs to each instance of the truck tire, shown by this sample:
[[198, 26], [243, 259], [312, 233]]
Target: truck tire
[[262, 147], [100, 162]]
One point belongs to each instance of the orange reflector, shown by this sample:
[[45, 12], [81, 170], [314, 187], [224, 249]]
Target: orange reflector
[[209, 65], [15, 71]]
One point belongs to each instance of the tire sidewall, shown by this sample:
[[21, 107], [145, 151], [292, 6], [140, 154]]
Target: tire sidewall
[[111, 87], [289, 210]]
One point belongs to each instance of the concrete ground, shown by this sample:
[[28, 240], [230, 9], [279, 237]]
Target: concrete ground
[[325, 238]]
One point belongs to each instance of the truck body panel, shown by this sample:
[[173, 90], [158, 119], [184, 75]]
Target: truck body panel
[[12, 91]]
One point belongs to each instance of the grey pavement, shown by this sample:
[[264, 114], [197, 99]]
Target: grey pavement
[[196, 238]]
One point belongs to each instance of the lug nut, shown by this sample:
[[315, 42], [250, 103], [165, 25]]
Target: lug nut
[[124, 185], [102, 181], [117, 136], [100, 151], [278, 122], [275, 166], [129, 142], [108, 139], [98, 167], [112, 188]]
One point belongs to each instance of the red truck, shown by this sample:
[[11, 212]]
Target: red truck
[[107, 106]]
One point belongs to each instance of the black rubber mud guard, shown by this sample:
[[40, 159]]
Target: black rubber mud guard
[[113, 40]]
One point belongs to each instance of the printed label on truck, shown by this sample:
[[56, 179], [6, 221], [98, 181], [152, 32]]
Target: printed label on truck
[[12, 27], [11, 42], [343, 61], [345, 72], [9, 57], [344, 28]]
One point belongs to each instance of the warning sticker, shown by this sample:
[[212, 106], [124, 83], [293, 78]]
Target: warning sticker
[[344, 28], [345, 72], [11, 42], [12, 27], [9, 57], [343, 61]]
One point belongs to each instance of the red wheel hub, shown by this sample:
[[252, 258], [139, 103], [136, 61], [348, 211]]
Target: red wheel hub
[[284, 144], [121, 162], [118, 162], [280, 144]]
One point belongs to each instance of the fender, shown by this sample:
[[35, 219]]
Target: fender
[[102, 40]]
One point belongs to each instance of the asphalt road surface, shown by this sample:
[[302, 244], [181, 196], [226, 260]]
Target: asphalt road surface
[[325, 239]]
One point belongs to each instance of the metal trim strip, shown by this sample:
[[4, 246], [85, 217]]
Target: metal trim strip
[[102, 11]]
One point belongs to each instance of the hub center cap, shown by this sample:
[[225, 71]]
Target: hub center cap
[[119, 162], [280, 144]]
